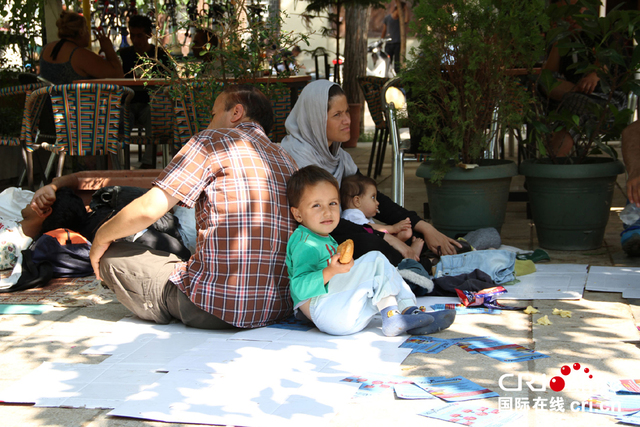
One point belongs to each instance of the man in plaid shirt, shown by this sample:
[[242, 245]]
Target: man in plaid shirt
[[236, 180]]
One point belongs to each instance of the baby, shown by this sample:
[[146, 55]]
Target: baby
[[358, 197], [342, 299]]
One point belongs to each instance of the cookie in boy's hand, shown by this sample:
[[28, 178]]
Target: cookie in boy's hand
[[345, 249]]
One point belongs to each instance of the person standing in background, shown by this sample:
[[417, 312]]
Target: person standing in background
[[391, 26], [133, 64]]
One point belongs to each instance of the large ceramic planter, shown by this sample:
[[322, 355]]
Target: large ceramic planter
[[469, 199], [570, 204]]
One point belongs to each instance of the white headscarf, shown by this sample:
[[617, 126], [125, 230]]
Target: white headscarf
[[307, 139]]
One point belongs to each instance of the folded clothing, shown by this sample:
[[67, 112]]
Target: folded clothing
[[475, 281], [499, 264]]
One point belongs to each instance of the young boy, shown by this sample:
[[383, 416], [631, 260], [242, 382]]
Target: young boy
[[358, 198], [342, 299]]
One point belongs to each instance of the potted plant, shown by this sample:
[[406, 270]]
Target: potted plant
[[464, 70], [572, 170]]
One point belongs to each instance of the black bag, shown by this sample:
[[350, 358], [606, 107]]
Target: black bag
[[66, 250]]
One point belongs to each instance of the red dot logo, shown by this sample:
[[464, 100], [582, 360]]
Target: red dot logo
[[556, 384]]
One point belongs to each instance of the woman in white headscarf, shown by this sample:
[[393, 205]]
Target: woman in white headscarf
[[317, 126]]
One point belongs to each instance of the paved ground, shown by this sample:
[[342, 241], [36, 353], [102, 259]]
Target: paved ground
[[601, 334]]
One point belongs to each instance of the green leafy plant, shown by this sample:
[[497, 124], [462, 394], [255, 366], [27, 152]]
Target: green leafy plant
[[600, 45], [463, 68], [242, 54], [21, 33]]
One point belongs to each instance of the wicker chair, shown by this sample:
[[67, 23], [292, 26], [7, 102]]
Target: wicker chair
[[162, 120], [191, 110], [372, 88], [14, 97], [88, 119]]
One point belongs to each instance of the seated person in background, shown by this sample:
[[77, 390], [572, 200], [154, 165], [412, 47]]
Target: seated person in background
[[630, 237], [203, 48], [204, 41], [286, 61], [67, 60], [358, 198], [576, 92], [342, 298], [137, 59]]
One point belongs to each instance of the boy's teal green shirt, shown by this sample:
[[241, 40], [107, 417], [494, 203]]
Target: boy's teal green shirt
[[307, 255]]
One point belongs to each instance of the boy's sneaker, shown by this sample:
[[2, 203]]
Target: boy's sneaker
[[630, 240]]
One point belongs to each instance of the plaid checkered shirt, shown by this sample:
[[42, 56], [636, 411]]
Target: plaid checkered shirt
[[236, 179]]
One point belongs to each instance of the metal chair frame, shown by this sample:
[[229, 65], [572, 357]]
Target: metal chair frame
[[162, 119], [88, 119], [371, 88], [19, 140]]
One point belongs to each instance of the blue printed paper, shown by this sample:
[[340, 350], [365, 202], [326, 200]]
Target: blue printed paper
[[456, 389], [502, 351]]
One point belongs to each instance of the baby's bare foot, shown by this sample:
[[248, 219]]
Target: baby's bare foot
[[417, 244]]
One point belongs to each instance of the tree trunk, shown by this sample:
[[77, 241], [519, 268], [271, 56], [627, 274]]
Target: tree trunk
[[336, 69], [355, 53], [402, 18]]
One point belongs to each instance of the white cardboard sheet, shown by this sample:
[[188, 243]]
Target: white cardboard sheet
[[259, 377], [550, 281], [270, 399], [79, 385], [615, 279]]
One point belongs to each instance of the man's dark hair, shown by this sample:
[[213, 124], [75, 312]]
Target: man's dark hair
[[306, 177], [141, 21], [256, 105], [353, 186], [68, 211]]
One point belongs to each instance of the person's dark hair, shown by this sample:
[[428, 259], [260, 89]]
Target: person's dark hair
[[296, 49], [141, 21], [353, 186], [68, 211], [306, 177], [70, 25], [334, 90], [256, 105]]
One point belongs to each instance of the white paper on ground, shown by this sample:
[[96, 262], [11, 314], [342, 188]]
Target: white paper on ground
[[550, 281], [631, 293], [613, 279], [269, 399], [78, 385]]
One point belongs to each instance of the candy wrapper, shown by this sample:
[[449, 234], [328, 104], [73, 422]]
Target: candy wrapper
[[486, 297]]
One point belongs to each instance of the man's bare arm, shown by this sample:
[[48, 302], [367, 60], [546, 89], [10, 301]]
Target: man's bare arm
[[135, 217]]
